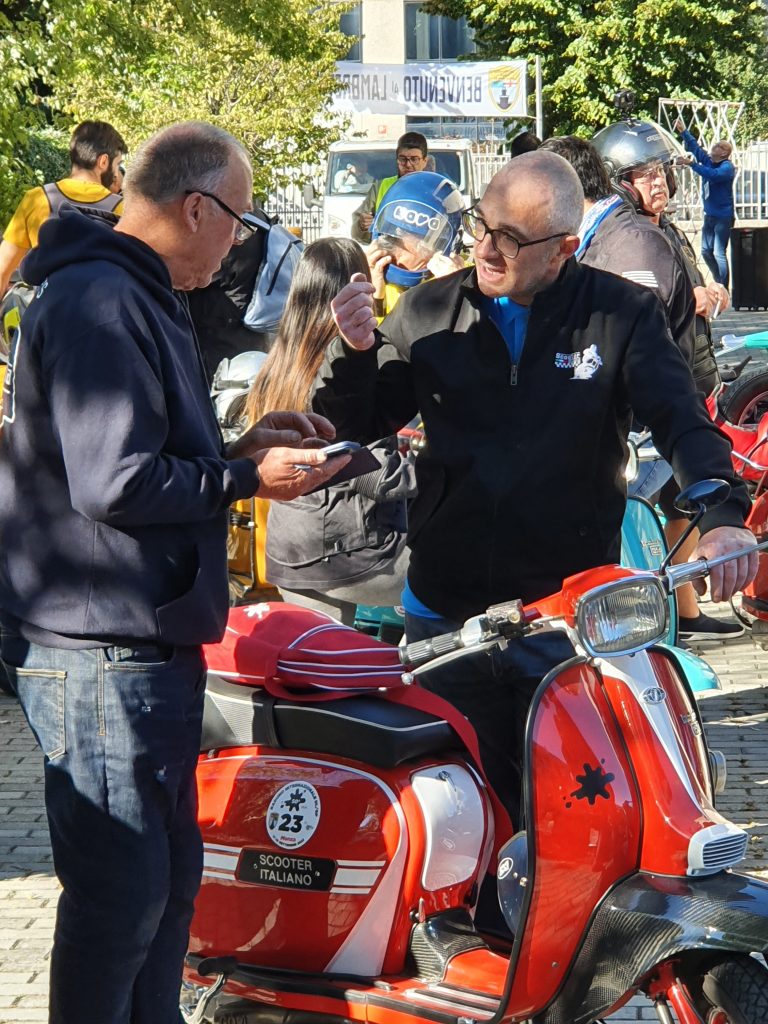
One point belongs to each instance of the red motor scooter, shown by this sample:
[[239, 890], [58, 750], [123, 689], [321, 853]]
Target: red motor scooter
[[739, 410], [345, 839]]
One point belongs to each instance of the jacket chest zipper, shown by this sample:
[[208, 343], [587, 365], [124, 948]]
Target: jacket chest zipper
[[513, 375]]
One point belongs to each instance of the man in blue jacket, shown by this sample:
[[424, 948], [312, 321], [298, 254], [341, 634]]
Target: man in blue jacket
[[717, 173], [114, 489]]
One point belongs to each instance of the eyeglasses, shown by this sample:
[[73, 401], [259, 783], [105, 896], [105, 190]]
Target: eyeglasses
[[657, 171], [244, 232], [410, 161], [502, 241]]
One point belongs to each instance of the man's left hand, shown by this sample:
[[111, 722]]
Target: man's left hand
[[727, 579], [719, 298], [282, 429]]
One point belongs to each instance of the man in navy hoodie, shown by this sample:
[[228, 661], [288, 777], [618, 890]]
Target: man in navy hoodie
[[717, 172], [114, 487]]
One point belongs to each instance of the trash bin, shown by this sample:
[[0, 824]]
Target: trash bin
[[749, 268]]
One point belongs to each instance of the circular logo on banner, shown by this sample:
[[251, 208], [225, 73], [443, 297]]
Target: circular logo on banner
[[293, 815]]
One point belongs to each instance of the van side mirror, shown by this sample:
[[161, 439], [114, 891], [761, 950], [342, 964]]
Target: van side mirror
[[309, 197]]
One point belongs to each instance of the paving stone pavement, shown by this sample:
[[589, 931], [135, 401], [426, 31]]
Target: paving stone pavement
[[737, 723]]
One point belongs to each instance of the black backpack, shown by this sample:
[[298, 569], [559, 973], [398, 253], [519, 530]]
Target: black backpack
[[56, 199]]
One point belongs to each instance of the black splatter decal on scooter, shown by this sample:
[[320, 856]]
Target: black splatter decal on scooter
[[593, 783]]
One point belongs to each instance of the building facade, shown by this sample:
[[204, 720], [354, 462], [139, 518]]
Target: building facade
[[401, 32]]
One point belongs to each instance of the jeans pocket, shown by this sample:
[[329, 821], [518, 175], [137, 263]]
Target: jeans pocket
[[42, 692]]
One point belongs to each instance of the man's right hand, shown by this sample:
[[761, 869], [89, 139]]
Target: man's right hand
[[280, 479], [365, 220], [679, 125], [353, 313], [378, 261]]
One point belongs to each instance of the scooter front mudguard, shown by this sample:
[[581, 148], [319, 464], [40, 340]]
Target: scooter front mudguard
[[648, 919]]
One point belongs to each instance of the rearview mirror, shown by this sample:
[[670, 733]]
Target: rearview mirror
[[701, 496], [309, 197]]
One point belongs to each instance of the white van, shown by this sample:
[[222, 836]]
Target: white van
[[343, 192]]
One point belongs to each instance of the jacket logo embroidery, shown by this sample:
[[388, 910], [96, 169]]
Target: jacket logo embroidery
[[584, 364]]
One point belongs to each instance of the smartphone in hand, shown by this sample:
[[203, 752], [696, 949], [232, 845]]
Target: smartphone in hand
[[341, 448]]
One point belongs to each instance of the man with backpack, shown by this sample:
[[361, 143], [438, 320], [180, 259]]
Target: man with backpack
[[96, 150]]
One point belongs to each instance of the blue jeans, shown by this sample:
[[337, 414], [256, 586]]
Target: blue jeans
[[651, 477], [494, 691], [120, 731], [715, 235]]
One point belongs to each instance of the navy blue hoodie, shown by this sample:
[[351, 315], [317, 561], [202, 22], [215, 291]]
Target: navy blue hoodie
[[113, 483]]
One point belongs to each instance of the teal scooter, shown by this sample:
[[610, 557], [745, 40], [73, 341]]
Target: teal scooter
[[644, 546]]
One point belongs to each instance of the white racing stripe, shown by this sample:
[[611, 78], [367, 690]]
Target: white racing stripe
[[644, 277]]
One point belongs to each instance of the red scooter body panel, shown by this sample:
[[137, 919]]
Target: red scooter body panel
[[258, 900], [586, 827], [676, 803], [756, 594], [332, 888], [746, 440], [685, 721]]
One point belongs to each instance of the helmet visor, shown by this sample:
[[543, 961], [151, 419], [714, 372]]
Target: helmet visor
[[412, 231]]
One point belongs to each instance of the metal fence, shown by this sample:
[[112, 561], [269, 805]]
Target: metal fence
[[750, 189], [750, 192]]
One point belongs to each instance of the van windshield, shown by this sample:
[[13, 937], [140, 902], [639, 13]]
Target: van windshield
[[354, 171]]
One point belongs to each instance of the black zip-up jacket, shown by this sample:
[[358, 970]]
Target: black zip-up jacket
[[704, 368], [522, 484], [342, 534], [113, 484], [629, 244]]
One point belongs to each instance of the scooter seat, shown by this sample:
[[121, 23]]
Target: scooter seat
[[368, 729]]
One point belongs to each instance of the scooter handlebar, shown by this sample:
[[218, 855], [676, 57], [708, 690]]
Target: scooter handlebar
[[433, 647], [685, 572]]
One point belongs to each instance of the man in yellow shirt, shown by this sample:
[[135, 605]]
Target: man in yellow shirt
[[96, 150]]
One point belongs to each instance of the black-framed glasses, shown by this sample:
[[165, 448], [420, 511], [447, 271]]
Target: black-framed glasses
[[410, 161], [502, 241], [245, 230]]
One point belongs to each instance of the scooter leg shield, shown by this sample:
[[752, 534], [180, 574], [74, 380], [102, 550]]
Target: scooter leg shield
[[648, 919]]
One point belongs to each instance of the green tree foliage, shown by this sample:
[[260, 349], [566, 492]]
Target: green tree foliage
[[658, 48], [262, 69], [21, 53]]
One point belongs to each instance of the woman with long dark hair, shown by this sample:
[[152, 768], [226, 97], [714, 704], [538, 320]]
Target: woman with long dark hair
[[343, 545]]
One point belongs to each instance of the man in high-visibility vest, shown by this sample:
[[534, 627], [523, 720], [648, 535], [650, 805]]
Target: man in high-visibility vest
[[411, 156]]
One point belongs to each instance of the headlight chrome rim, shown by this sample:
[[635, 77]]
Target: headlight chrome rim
[[586, 603]]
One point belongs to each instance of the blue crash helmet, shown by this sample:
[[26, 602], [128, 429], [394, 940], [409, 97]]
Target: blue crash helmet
[[419, 216]]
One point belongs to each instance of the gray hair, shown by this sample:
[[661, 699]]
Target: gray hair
[[190, 156], [556, 183]]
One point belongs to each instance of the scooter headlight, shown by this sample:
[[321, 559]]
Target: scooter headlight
[[622, 617]]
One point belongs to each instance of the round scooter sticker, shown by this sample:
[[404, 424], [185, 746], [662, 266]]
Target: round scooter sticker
[[293, 815]]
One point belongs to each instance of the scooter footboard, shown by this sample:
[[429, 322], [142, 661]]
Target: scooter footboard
[[648, 919]]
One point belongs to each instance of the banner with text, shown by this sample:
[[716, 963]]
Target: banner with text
[[466, 89]]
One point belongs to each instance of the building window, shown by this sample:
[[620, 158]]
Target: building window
[[352, 25], [435, 36]]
